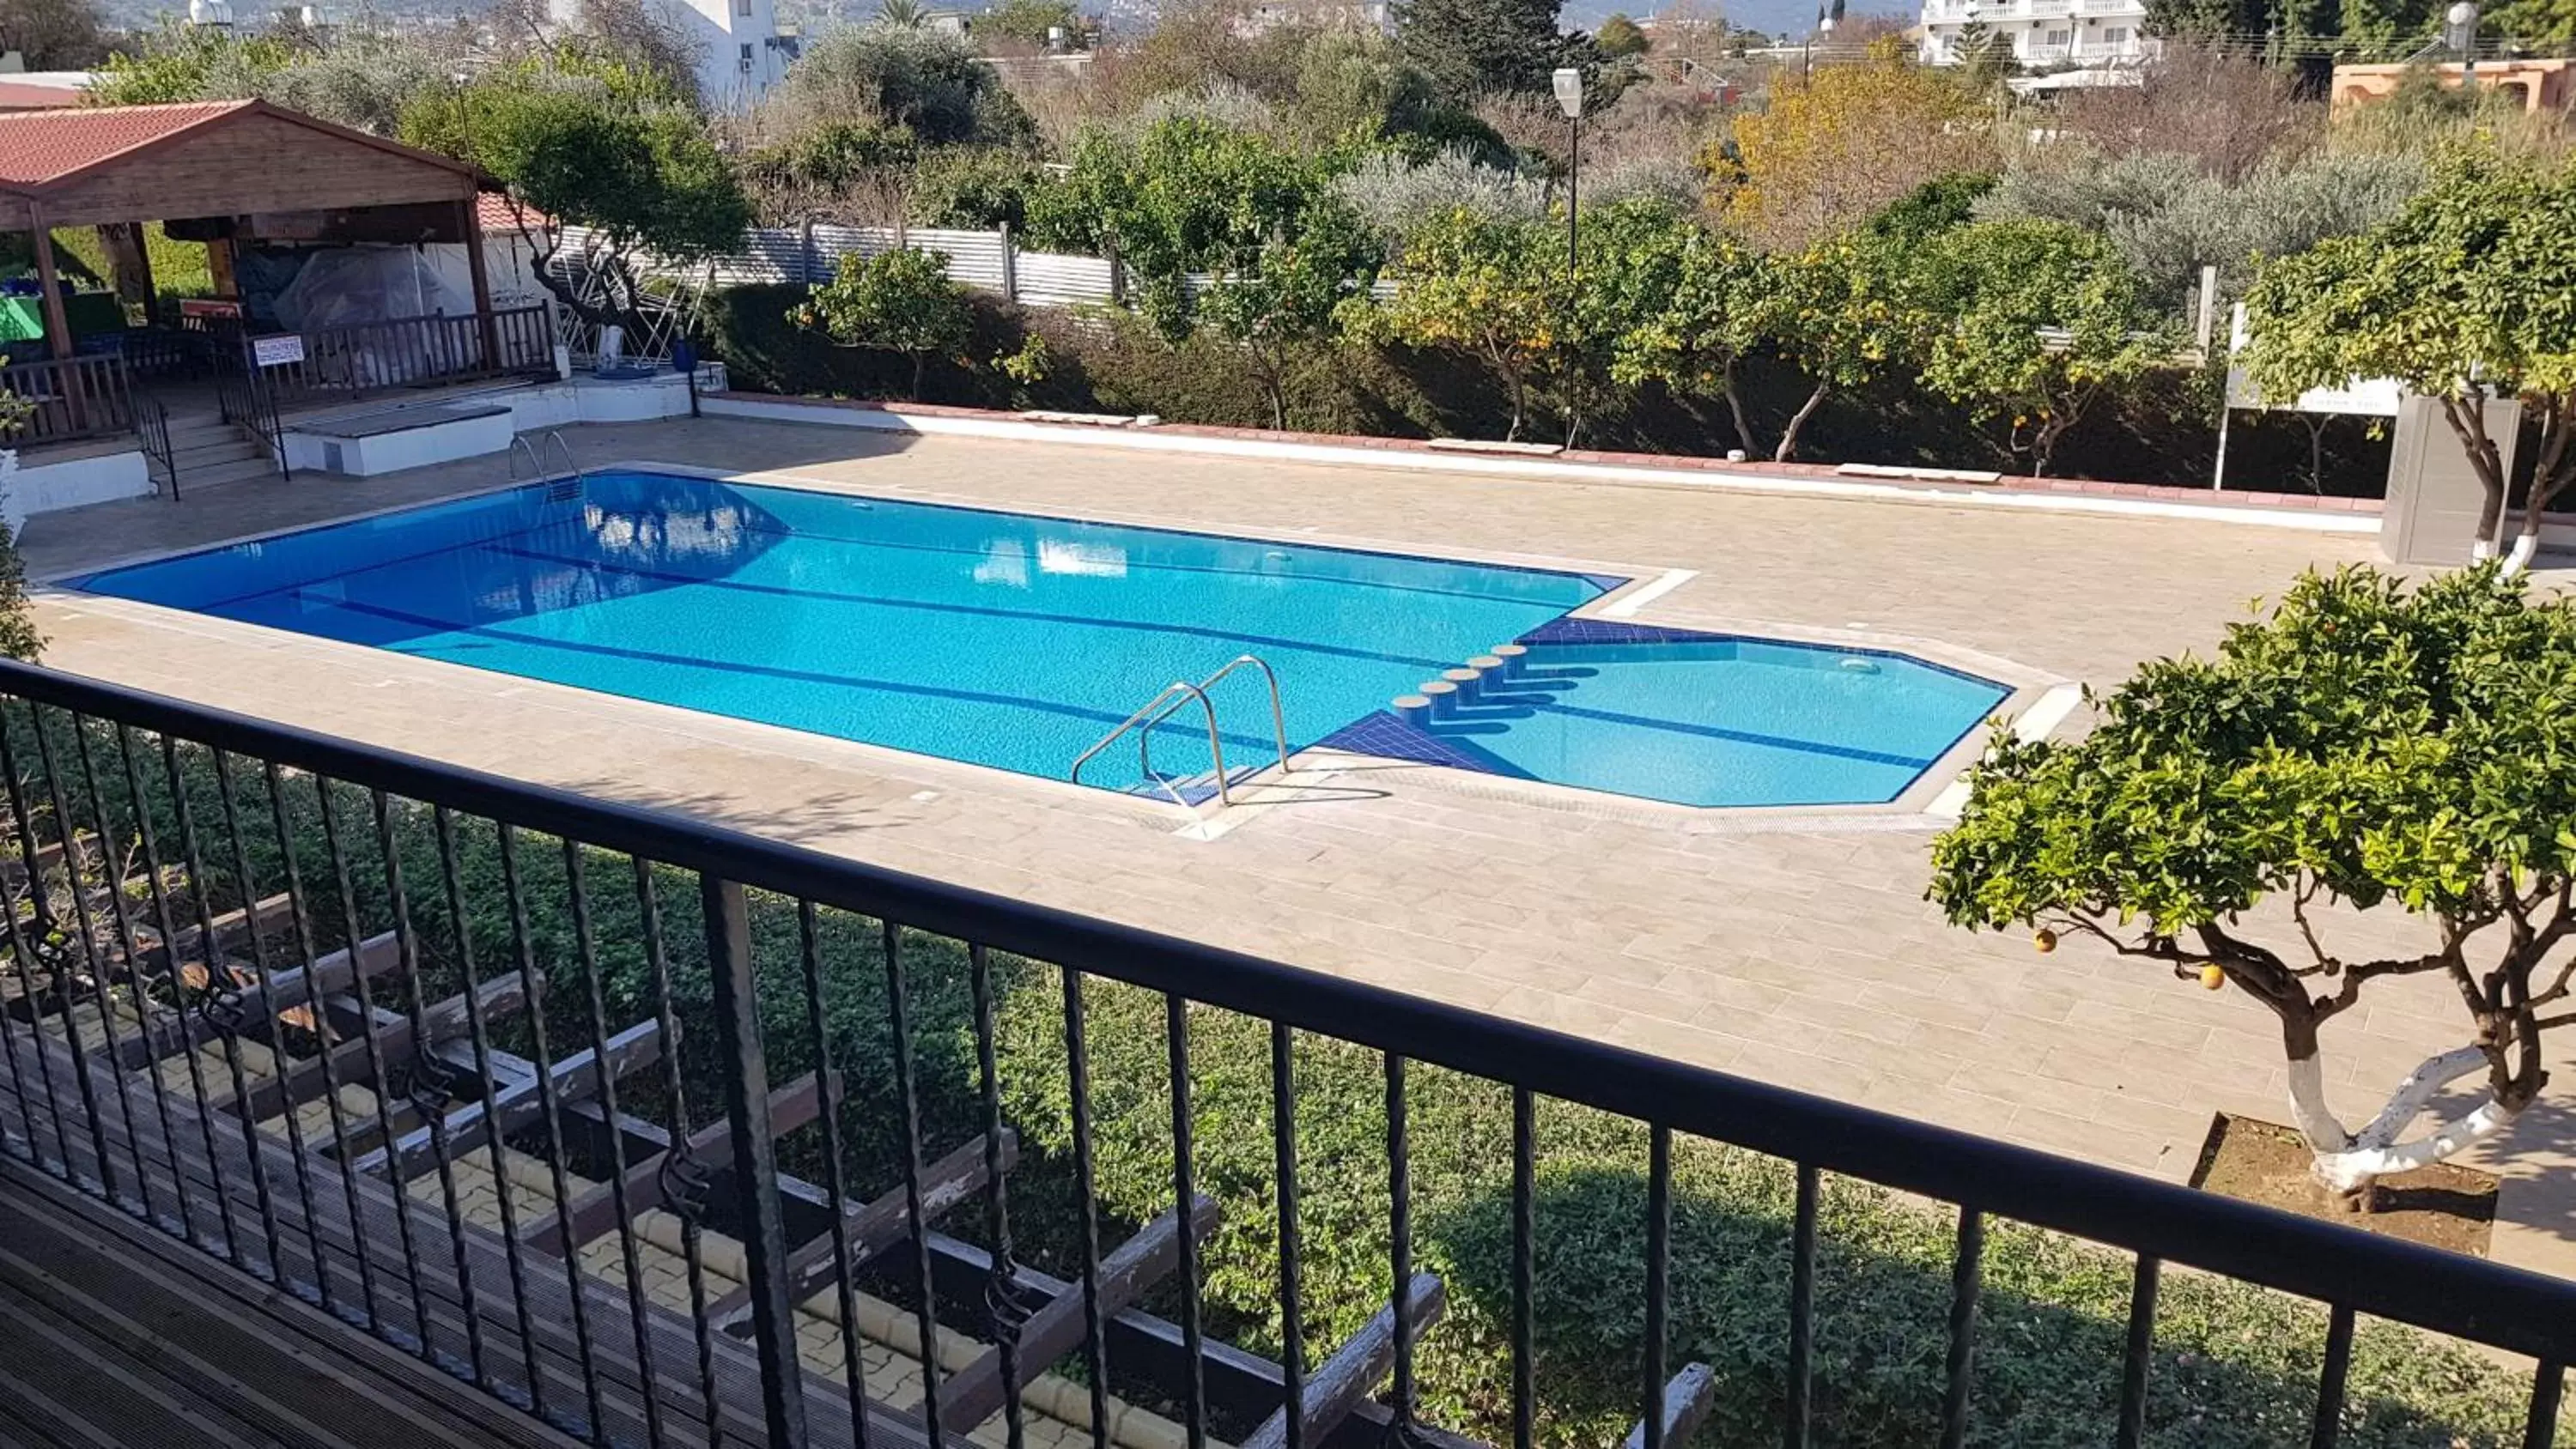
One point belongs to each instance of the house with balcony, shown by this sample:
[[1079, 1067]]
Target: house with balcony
[[2040, 33]]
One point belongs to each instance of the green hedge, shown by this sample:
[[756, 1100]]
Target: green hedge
[[1106, 360]]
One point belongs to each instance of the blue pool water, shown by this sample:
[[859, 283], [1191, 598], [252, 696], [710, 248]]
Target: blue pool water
[[1016, 641]]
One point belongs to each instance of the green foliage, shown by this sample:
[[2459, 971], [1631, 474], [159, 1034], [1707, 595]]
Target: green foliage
[[2039, 321], [1283, 295], [52, 34], [2548, 25], [2234, 1364], [2394, 745], [1028, 21], [1848, 311], [1469, 47], [975, 187], [1184, 195], [1702, 301], [1492, 289], [1395, 193], [19, 638], [2462, 295], [2169, 217], [830, 158], [599, 150], [926, 81], [1936, 206], [896, 301], [1620, 38], [178, 62]]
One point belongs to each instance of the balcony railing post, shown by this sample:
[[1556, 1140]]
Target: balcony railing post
[[755, 1158]]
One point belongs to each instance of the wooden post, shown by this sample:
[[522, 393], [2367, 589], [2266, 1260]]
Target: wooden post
[[1010, 265], [470, 215], [58, 327]]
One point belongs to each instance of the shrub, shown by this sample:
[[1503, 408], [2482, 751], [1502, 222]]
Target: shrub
[[1396, 195], [898, 301]]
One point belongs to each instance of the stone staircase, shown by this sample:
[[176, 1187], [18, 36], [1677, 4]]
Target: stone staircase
[[206, 451]]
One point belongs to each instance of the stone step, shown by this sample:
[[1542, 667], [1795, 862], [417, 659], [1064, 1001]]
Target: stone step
[[228, 472], [221, 450]]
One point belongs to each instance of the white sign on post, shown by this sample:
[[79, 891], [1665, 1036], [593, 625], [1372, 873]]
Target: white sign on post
[[277, 351]]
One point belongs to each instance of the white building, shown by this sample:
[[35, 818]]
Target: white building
[[2041, 32], [742, 49]]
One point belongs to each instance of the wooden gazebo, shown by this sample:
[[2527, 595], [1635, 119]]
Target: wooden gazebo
[[230, 174]]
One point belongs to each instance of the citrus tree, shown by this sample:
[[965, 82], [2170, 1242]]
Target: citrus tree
[[1845, 310], [900, 301], [2466, 295], [1184, 195], [1282, 296], [1700, 297], [1489, 287], [2039, 320], [2364, 747]]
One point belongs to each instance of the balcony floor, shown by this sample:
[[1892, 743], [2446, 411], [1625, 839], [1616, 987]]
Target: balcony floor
[[115, 1334]]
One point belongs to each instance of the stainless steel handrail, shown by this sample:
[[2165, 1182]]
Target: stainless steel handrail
[[1216, 748], [536, 465], [536, 461], [1278, 718], [1169, 702], [571, 464]]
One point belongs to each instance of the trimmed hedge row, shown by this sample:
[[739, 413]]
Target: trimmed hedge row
[[1108, 361]]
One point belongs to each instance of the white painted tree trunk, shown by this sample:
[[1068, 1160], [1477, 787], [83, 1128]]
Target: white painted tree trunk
[[2519, 558], [2348, 1162]]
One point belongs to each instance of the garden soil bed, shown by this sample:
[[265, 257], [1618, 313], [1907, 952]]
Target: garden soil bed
[[2442, 1206]]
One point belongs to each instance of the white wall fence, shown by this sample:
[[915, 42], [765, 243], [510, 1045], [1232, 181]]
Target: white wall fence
[[989, 261]]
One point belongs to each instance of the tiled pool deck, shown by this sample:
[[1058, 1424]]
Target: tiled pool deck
[[1797, 952]]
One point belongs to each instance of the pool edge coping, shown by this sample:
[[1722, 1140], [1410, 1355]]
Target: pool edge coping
[[1642, 585]]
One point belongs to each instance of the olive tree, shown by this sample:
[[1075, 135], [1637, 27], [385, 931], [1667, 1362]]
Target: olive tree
[[2365, 747], [2462, 296]]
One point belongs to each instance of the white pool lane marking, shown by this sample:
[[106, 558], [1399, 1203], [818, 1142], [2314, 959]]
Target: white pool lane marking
[[2035, 723], [1627, 604]]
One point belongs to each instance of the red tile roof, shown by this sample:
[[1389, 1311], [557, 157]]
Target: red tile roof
[[41, 147], [494, 212]]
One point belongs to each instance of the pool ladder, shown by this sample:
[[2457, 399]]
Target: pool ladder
[[536, 461], [1173, 698]]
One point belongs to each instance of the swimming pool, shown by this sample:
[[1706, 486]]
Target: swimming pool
[[1017, 641]]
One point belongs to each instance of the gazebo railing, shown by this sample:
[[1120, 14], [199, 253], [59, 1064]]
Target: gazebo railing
[[408, 352], [73, 397]]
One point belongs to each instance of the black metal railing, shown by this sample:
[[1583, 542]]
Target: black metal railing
[[73, 398], [152, 427], [674, 1134], [246, 397]]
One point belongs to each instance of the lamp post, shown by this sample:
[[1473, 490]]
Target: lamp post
[[1568, 85], [1828, 12], [2460, 32]]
